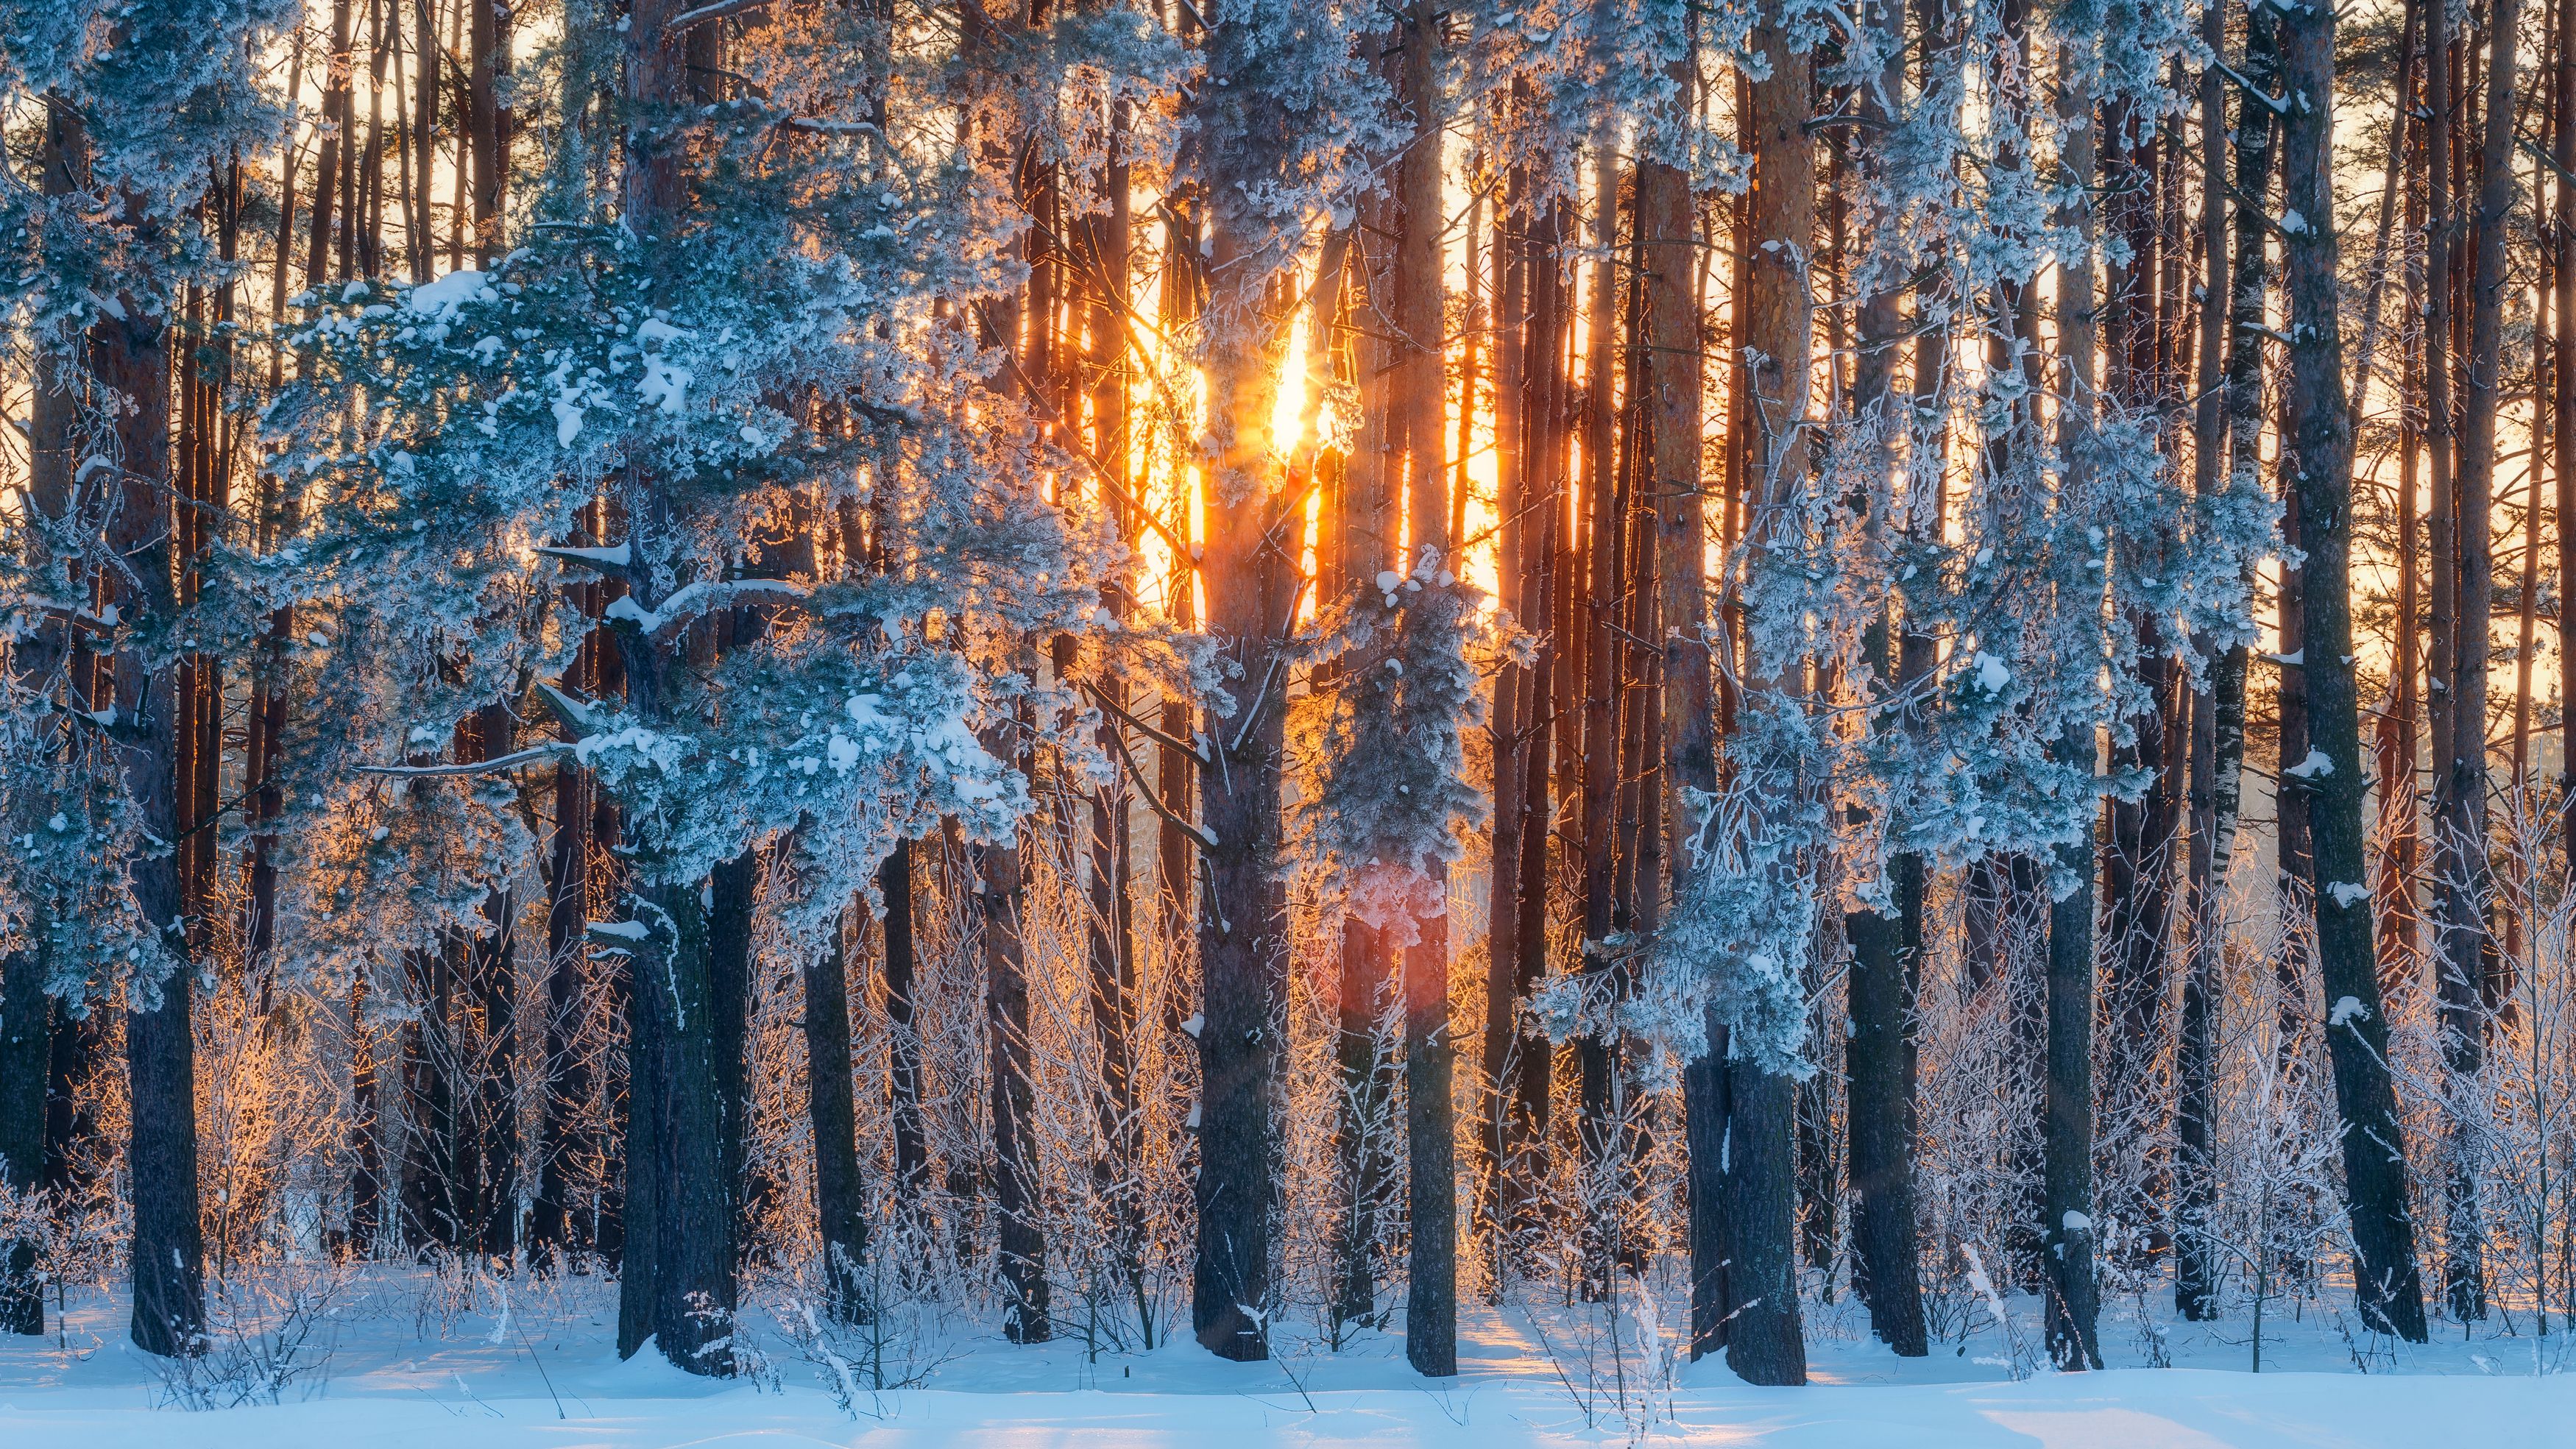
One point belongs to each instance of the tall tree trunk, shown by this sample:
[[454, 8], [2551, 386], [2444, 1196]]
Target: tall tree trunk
[[2196, 1262], [1515, 710], [840, 1193], [1420, 398], [422, 238], [2066, 1225], [488, 121], [492, 990], [731, 889], [1879, 1050], [1545, 566], [2401, 728], [1705, 1098], [1603, 653], [684, 1294], [2441, 448], [1528, 380], [1364, 1095], [2562, 351], [30, 1038], [554, 1229], [1363, 542], [131, 356], [2462, 886], [1017, 1184], [2138, 866], [903, 1032], [25, 1016], [1755, 1176], [1250, 578], [566, 1092], [1105, 239], [678, 1285], [2384, 1269]]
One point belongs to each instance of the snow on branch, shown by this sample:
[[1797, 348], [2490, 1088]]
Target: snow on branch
[[604, 560], [692, 600], [533, 754]]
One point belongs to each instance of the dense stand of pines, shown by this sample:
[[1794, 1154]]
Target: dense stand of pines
[[1283, 663]]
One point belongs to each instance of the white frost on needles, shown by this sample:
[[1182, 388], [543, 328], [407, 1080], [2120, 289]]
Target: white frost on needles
[[442, 297], [665, 384]]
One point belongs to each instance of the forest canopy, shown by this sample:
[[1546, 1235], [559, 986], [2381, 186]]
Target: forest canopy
[[1162, 668]]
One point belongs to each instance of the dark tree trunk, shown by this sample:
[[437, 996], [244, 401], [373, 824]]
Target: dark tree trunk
[[1363, 528], [1106, 241], [1604, 543], [2562, 352], [567, 1089], [30, 1037], [2066, 1222], [2229, 440], [2463, 880], [1250, 583], [1879, 1060], [25, 1015], [1704, 1120], [1016, 1182], [582, 828], [1516, 707], [493, 986], [840, 1194], [1879, 1055], [639, 1203], [2138, 865], [2196, 1264], [492, 993], [1668, 244], [903, 1036], [2384, 1269], [429, 1183], [1360, 1156], [1544, 565], [2441, 440], [731, 891], [2401, 728], [1755, 1179], [679, 1207], [488, 121], [1430, 1051], [1431, 1284], [1766, 1341], [680, 1283], [169, 1243], [131, 356]]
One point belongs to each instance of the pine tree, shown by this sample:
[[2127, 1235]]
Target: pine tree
[[1263, 153], [2385, 1275], [142, 107], [667, 338]]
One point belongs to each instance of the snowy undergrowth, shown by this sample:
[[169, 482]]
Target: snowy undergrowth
[[435, 1359]]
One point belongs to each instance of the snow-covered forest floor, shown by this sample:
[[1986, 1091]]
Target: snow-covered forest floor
[[413, 1359]]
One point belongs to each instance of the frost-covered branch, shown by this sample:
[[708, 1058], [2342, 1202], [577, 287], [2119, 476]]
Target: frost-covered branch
[[692, 600], [499, 764]]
